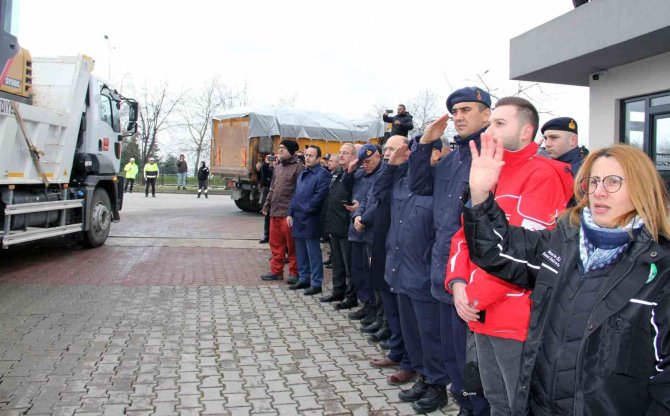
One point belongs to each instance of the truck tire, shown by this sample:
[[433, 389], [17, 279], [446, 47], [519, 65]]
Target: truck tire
[[100, 220], [245, 203]]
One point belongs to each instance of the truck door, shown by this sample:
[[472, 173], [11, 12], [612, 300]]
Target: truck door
[[9, 45]]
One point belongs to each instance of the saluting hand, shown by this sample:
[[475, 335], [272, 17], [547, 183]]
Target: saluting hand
[[435, 130], [352, 166], [399, 155], [485, 168]]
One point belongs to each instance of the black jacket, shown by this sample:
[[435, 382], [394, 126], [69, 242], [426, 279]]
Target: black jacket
[[203, 173], [336, 216], [624, 353], [404, 127]]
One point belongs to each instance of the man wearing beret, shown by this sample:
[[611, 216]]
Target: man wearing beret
[[561, 142], [276, 206], [360, 180], [402, 122], [470, 107]]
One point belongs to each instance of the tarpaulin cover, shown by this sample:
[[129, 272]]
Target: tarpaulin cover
[[288, 122]]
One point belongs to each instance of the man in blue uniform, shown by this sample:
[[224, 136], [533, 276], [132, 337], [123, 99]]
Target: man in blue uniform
[[561, 142], [470, 109]]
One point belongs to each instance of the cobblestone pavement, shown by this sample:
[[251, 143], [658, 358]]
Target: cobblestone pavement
[[162, 326]]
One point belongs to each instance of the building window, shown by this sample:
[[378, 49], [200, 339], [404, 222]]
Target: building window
[[645, 124]]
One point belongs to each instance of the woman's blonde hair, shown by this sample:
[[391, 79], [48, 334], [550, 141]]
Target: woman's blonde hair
[[646, 189]]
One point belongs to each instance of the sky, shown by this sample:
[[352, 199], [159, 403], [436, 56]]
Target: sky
[[342, 57]]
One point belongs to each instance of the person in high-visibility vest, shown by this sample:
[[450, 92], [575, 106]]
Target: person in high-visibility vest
[[150, 175], [130, 173]]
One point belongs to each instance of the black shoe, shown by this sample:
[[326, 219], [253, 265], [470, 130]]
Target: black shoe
[[346, 304], [370, 318], [435, 398], [361, 313], [372, 328], [383, 334], [385, 345], [264, 240], [198, 194], [416, 392], [268, 277], [328, 266], [465, 412], [328, 262], [206, 196], [299, 285], [333, 297], [314, 290], [292, 280]]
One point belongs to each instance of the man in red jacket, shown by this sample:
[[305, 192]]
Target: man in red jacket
[[532, 191]]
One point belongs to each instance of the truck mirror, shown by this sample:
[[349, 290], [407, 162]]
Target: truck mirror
[[132, 113], [131, 128]]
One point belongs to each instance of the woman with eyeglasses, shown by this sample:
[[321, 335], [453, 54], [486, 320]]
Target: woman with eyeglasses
[[599, 338]]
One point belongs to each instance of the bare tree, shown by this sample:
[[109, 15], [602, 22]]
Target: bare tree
[[376, 112], [155, 109], [423, 108]]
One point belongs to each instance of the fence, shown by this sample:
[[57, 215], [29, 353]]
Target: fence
[[169, 181]]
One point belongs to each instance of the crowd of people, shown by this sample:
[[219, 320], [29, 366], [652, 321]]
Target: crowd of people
[[530, 280]]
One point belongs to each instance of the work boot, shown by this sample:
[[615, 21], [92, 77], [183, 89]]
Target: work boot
[[346, 304], [362, 312], [435, 398], [370, 318], [415, 393], [372, 328]]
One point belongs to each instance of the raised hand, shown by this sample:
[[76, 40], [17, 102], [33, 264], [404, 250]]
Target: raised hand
[[399, 155], [435, 130], [485, 168], [352, 166]]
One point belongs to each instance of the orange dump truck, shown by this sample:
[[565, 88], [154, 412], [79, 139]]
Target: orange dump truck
[[242, 138]]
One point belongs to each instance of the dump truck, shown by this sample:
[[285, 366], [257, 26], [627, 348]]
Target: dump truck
[[60, 154], [241, 138]]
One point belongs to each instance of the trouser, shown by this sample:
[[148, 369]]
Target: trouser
[[340, 252], [397, 351], [453, 334], [499, 362], [281, 242], [266, 223], [181, 179], [130, 182], [420, 324], [203, 185], [360, 272], [152, 182], [310, 261]]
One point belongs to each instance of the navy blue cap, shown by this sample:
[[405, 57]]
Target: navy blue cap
[[468, 95], [366, 151], [561, 123]]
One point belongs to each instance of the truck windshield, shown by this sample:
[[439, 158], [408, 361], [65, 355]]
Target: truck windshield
[[10, 17], [109, 113]]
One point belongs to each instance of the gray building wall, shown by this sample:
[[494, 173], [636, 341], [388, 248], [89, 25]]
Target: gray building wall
[[646, 76]]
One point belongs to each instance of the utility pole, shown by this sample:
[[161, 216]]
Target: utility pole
[[109, 59]]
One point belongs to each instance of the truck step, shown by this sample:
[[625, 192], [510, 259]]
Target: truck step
[[32, 234], [31, 207]]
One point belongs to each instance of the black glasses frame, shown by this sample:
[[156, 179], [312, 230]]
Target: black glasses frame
[[587, 183]]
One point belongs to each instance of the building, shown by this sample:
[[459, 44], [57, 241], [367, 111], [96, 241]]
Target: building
[[620, 49]]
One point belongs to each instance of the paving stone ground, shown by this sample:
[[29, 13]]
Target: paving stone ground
[[166, 327]]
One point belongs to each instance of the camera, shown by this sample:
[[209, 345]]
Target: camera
[[272, 158], [389, 111], [597, 76]]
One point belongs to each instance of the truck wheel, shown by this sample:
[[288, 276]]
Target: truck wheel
[[245, 203], [99, 220]]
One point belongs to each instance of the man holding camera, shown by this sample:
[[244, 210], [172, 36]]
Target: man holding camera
[[402, 122]]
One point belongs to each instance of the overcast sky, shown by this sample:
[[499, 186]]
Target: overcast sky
[[342, 57]]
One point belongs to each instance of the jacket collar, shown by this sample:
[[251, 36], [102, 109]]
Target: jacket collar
[[463, 141], [571, 156], [519, 156], [289, 161]]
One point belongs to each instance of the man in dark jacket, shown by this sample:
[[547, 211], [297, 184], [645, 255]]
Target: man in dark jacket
[[470, 107], [337, 227], [203, 179], [304, 218], [264, 175], [561, 142], [409, 244], [360, 180], [276, 206], [402, 122], [182, 170]]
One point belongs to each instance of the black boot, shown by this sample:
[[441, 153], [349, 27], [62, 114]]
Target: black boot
[[383, 334], [371, 317], [435, 397], [372, 328], [416, 392], [362, 312]]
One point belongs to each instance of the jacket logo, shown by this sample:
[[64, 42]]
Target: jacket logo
[[653, 271], [552, 258]]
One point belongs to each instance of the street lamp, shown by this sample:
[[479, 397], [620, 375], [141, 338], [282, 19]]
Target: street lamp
[[109, 58]]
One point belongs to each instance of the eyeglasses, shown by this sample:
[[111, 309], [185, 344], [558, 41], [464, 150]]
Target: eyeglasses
[[389, 148], [611, 183]]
